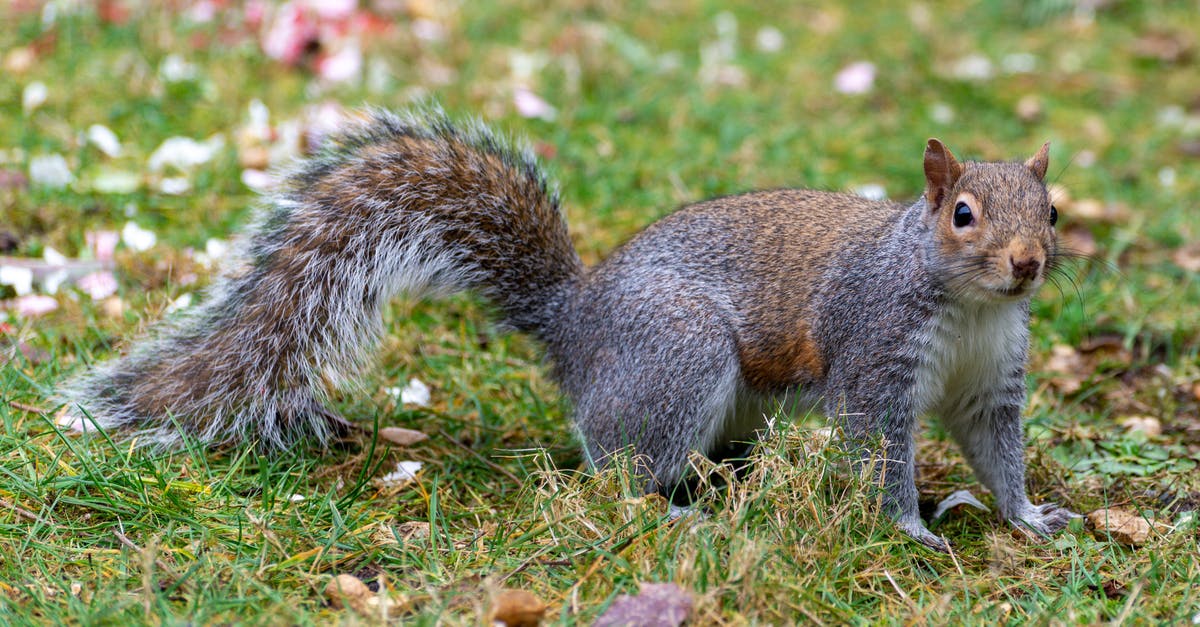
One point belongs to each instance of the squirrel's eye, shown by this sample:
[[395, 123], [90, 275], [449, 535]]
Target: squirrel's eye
[[1053, 215], [962, 215]]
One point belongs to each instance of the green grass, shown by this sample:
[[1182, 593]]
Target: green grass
[[107, 533]]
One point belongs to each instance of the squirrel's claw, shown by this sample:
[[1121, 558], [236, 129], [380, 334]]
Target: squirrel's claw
[[1044, 520], [916, 530]]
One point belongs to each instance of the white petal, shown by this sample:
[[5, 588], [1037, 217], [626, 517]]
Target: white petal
[[258, 180], [332, 9], [34, 96], [871, 191], [214, 251], [104, 139], [175, 69], [182, 302], [415, 393], [137, 238], [975, 67], [769, 39], [530, 105], [184, 152], [342, 66], [175, 185], [54, 280], [50, 171], [856, 78], [405, 471], [21, 279], [53, 257]]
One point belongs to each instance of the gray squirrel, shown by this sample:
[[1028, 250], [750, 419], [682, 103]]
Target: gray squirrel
[[677, 342]]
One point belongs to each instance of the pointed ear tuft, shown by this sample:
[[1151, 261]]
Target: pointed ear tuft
[[1039, 162], [941, 172]]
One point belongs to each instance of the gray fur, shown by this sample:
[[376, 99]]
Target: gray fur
[[675, 343]]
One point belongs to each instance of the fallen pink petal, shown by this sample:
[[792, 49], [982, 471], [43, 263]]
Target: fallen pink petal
[[290, 32], [856, 78], [98, 285], [103, 244], [33, 305], [342, 66], [530, 105]]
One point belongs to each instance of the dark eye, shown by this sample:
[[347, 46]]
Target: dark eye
[[1053, 215], [962, 215]]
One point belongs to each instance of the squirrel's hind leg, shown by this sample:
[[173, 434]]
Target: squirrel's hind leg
[[661, 382]]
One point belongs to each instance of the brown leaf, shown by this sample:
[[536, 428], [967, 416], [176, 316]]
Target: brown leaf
[[1164, 45], [1068, 368], [13, 179], [1119, 525], [1188, 257], [1093, 210], [1103, 342], [20, 60], [1029, 108], [9, 242], [1059, 195], [657, 605], [517, 608], [1114, 590], [349, 591], [1144, 424], [1078, 239], [254, 157], [385, 534], [401, 436], [113, 307]]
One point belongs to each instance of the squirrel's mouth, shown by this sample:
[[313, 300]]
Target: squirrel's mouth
[[1024, 288]]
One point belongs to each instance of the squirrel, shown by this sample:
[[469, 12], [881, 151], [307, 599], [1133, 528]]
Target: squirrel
[[879, 311]]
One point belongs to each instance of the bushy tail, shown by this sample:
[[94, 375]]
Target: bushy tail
[[413, 204]]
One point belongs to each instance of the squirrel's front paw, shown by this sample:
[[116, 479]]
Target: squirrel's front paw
[[1045, 519], [915, 528]]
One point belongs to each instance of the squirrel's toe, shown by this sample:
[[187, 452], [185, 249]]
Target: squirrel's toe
[[1045, 519], [917, 531]]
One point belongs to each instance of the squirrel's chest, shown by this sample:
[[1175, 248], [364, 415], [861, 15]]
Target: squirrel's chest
[[969, 351]]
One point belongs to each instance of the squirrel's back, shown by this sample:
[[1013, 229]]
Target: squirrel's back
[[761, 257]]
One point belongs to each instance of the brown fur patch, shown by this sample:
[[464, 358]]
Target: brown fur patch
[[794, 359]]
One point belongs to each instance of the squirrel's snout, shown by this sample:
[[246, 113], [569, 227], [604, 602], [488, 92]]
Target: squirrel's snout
[[1025, 268]]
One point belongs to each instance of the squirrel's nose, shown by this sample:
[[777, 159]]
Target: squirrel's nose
[[1026, 268]]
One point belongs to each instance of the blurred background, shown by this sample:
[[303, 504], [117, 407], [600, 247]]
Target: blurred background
[[135, 137]]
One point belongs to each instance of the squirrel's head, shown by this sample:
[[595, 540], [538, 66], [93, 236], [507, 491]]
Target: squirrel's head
[[993, 223]]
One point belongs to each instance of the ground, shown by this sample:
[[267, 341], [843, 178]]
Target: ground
[[634, 111]]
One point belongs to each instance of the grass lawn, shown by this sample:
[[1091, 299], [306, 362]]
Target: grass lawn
[[634, 110]]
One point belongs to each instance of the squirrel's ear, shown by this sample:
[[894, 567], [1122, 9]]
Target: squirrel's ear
[[941, 172], [1039, 162]]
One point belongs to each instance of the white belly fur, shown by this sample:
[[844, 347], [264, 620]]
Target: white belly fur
[[970, 350]]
